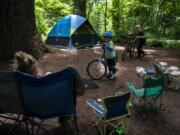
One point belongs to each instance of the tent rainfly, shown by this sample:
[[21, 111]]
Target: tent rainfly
[[72, 31]]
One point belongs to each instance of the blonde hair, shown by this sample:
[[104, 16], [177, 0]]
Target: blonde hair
[[25, 63]]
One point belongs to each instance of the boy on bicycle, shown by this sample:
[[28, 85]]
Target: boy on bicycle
[[110, 55]]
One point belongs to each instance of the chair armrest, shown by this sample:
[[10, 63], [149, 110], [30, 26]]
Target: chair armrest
[[119, 93], [95, 106], [130, 85]]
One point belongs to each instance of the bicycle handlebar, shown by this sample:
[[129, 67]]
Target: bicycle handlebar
[[133, 40]]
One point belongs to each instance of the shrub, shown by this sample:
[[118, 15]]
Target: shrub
[[166, 43]]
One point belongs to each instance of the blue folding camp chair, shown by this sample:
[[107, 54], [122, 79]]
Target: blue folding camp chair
[[48, 96], [43, 98], [112, 112]]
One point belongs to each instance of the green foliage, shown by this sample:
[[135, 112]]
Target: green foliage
[[159, 19], [175, 44], [48, 12], [97, 16]]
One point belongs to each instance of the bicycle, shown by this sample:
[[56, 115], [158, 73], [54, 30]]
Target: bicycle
[[97, 69], [129, 48]]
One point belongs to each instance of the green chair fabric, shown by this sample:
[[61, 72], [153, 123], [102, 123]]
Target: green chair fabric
[[149, 92], [153, 87]]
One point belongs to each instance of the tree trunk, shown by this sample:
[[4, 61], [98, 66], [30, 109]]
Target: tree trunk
[[18, 29], [116, 18], [80, 7], [105, 17], [90, 8]]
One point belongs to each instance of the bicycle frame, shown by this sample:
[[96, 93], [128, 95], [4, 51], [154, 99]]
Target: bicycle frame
[[101, 61], [129, 47]]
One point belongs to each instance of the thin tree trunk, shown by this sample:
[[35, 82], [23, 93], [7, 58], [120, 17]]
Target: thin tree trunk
[[90, 8], [117, 20], [18, 29], [105, 16]]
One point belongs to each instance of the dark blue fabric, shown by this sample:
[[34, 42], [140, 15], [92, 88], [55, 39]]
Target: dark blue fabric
[[117, 106], [48, 96], [111, 63], [150, 71], [108, 48], [107, 34]]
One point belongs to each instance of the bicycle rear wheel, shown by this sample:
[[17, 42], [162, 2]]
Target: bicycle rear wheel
[[97, 69], [116, 58], [124, 54], [131, 53]]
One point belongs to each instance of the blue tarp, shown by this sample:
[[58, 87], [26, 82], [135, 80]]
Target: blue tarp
[[66, 26]]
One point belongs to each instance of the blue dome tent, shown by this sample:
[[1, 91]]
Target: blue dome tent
[[72, 31]]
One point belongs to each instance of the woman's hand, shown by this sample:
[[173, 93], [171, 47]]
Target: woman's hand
[[47, 73]]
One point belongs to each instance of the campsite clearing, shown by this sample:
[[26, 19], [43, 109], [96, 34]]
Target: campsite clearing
[[166, 122]]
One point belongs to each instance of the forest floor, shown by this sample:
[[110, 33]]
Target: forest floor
[[165, 122]]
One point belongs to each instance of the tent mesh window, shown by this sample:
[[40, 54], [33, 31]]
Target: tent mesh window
[[64, 41]]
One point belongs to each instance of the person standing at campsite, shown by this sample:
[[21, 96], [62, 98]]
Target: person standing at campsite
[[110, 55], [141, 40]]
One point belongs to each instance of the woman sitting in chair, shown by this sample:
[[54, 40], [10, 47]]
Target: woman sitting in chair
[[26, 63]]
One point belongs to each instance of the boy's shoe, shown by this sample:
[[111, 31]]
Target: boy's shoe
[[109, 75], [143, 54], [112, 77]]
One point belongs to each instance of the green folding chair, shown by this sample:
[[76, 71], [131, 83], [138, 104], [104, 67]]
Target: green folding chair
[[112, 114], [149, 93]]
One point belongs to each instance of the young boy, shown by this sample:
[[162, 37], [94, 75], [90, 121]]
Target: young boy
[[110, 55], [141, 40]]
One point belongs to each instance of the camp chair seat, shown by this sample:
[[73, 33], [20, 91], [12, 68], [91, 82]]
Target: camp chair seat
[[154, 91], [147, 95], [112, 112]]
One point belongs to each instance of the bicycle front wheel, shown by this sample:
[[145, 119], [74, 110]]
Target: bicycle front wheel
[[97, 69]]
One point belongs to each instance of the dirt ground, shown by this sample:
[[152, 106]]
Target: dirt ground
[[166, 122]]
